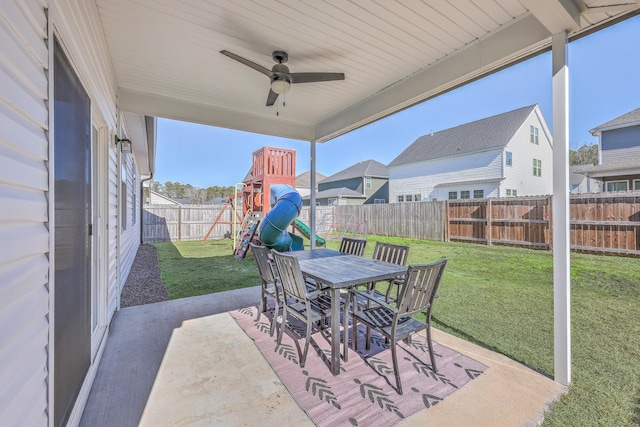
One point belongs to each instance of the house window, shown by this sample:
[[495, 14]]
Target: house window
[[511, 192], [509, 158], [534, 134], [453, 195], [537, 167], [417, 197], [508, 191], [123, 195], [617, 186], [367, 182], [636, 184], [465, 194], [135, 198], [400, 198], [478, 194], [379, 201], [332, 201]]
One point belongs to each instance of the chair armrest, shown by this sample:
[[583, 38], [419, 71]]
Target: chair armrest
[[373, 299]]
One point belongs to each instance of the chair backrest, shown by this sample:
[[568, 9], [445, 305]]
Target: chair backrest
[[419, 289], [394, 254], [288, 271], [261, 255], [352, 246]]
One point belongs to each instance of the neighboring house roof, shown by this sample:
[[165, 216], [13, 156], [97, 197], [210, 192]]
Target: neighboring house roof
[[471, 182], [337, 192], [629, 119], [159, 199], [492, 132], [371, 168], [631, 164], [304, 179]]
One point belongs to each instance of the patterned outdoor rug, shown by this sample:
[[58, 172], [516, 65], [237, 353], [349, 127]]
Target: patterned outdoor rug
[[364, 393]]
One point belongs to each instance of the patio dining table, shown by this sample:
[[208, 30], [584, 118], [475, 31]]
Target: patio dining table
[[338, 271]]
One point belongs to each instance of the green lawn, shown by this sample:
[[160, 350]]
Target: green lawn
[[502, 299]]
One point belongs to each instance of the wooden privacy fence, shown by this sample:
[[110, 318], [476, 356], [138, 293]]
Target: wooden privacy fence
[[163, 223], [522, 221], [599, 223]]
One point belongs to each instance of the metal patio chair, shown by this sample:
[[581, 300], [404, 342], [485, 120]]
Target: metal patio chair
[[394, 254], [308, 306], [415, 295], [352, 246], [270, 286]]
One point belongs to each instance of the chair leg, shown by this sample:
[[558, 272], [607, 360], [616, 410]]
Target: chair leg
[[276, 312], [303, 358], [263, 304], [354, 333], [430, 344], [368, 338], [345, 328], [394, 357], [284, 325]]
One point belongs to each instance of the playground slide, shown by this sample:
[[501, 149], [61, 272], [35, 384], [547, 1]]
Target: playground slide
[[272, 231], [306, 232]]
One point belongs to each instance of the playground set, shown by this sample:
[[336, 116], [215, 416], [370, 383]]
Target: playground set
[[266, 204]]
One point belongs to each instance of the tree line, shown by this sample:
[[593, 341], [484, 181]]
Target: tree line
[[195, 195], [585, 155]]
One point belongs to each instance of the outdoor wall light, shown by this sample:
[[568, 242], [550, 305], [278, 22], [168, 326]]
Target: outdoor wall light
[[280, 86], [125, 144]]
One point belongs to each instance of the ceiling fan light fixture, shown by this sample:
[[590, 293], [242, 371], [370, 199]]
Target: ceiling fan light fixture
[[281, 86]]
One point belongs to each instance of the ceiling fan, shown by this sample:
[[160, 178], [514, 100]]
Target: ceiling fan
[[281, 78]]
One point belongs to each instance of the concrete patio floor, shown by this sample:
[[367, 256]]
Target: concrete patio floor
[[186, 362]]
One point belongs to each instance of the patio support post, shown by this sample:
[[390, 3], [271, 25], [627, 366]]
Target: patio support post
[[560, 212], [312, 194]]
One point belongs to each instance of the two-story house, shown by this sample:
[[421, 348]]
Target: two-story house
[[363, 183], [618, 153], [509, 154]]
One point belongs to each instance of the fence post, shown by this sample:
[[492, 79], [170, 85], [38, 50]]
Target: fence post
[[179, 223], [488, 214], [446, 220]]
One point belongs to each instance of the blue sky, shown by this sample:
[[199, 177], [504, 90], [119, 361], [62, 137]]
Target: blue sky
[[603, 84]]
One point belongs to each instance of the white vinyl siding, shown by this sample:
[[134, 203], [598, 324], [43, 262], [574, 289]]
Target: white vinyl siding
[[421, 178], [24, 178], [519, 176], [620, 144]]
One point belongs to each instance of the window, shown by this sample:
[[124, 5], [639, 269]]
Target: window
[[400, 199], [534, 134], [509, 158], [537, 167], [478, 194], [123, 193], [465, 194], [508, 191], [134, 195], [453, 195], [636, 184], [367, 182], [512, 192], [417, 197], [379, 201], [617, 186], [332, 201]]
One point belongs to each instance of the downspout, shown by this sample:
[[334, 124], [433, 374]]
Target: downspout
[[142, 205]]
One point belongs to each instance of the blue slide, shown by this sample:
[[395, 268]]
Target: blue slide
[[272, 231]]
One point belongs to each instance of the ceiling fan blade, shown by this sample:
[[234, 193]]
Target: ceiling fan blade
[[267, 72], [315, 77], [271, 98]]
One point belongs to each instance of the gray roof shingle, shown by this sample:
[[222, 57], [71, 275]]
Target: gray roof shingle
[[491, 132], [630, 117], [304, 179], [365, 168]]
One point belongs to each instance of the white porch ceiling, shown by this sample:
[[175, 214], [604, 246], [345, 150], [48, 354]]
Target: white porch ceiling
[[394, 54]]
